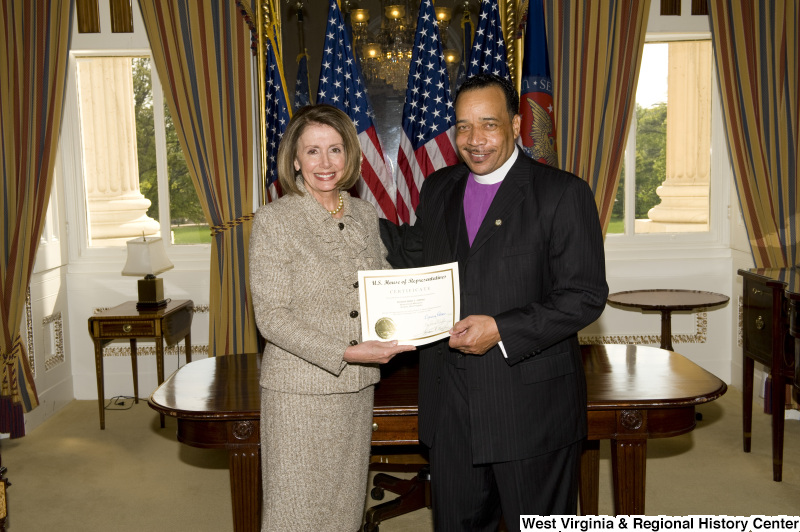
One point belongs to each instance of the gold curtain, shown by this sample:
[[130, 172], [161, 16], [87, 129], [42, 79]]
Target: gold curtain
[[34, 52], [757, 52], [596, 51], [202, 50]]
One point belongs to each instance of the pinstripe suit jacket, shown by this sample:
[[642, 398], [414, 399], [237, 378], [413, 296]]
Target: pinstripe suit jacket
[[537, 266]]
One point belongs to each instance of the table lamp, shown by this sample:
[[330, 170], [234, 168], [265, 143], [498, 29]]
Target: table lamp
[[148, 257]]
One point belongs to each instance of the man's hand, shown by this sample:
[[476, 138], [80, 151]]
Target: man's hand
[[474, 335]]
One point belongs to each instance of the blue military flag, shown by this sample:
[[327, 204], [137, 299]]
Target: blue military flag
[[538, 131], [302, 94], [466, 32]]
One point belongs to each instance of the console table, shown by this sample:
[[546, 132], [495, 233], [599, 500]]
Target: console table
[[765, 339], [794, 330], [123, 322], [667, 301], [634, 393]]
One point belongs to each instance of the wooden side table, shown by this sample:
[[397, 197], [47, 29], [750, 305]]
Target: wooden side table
[[765, 339], [171, 323], [794, 330], [666, 302]]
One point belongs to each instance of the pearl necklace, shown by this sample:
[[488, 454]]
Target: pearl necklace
[[338, 207]]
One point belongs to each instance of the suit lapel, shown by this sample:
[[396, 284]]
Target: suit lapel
[[508, 196], [453, 208]]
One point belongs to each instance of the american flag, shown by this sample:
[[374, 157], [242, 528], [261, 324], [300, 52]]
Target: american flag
[[340, 85], [489, 50], [302, 95], [277, 115], [426, 143], [538, 130]]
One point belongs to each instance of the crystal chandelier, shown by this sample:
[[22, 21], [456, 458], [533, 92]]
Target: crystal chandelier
[[396, 40], [386, 55]]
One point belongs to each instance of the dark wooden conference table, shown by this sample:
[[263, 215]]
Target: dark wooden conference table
[[634, 393]]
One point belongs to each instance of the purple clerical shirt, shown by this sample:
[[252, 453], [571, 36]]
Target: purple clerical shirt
[[477, 199]]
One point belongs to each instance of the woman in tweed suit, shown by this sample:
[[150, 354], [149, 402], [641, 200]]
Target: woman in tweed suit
[[317, 377]]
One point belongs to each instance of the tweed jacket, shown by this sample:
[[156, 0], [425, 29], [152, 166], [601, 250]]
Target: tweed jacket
[[303, 279]]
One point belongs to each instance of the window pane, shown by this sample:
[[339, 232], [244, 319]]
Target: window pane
[[145, 133], [651, 129], [188, 222], [651, 155], [617, 223], [673, 138], [116, 207]]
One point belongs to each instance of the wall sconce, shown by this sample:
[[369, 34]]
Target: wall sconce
[[148, 258]]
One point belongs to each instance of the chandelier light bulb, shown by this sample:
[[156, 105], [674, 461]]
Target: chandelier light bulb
[[359, 16], [395, 12], [443, 14]]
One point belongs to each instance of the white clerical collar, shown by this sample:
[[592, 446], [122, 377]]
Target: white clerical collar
[[498, 175]]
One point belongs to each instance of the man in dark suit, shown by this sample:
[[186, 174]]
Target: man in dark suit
[[503, 406]]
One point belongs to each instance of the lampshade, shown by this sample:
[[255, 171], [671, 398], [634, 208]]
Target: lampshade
[[146, 256]]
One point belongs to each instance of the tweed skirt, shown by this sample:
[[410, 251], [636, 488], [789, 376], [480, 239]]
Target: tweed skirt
[[314, 455]]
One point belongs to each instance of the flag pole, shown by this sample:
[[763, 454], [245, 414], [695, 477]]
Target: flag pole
[[509, 18], [262, 25], [301, 37], [274, 14]]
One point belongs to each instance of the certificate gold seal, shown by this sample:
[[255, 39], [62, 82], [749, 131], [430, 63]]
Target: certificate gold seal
[[385, 328]]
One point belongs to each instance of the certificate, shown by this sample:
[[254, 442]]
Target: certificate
[[414, 306]]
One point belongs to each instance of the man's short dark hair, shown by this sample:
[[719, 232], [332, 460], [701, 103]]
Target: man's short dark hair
[[480, 81]]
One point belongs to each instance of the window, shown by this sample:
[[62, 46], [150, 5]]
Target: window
[[666, 178], [135, 176]]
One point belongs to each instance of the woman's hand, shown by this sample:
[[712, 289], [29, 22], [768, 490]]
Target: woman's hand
[[374, 352]]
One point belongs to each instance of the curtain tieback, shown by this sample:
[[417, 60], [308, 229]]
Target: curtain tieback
[[10, 380], [217, 229], [16, 349]]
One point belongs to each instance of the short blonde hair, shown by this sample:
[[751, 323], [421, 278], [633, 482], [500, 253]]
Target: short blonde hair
[[326, 115]]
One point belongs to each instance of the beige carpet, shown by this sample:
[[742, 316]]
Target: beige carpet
[[68, 475]]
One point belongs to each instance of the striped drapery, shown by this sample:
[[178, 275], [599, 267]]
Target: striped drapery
[[756, 47], [202, 51], [596, 50], [34, 53]]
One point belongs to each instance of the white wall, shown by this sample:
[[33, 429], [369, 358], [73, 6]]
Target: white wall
[[91, 288]]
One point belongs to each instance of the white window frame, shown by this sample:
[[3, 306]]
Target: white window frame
[[82, 256], [715, 241]]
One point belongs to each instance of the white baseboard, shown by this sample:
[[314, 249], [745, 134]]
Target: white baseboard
[[50, 402]]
